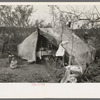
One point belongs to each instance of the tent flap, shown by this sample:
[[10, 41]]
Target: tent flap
[[27, 49]]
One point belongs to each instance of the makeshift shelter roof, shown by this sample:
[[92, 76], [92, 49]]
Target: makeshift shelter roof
[[82, 52], [50, 35], [73, 45]]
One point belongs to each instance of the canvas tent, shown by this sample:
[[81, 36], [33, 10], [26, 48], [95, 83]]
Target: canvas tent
[[27, 49], [82, 52]]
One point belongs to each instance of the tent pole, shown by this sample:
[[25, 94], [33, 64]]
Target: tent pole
[[70, 57], [41, 49], [61, 41]]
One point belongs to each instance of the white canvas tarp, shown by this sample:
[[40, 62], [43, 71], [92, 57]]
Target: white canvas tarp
[[82, 52], [60, 51], [27, 49]]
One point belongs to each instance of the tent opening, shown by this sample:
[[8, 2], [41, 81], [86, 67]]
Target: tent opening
[[44, 44], [44, 48]]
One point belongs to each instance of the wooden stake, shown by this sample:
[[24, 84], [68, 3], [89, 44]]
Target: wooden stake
[[70, 57]]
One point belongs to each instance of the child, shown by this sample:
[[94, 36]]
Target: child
[[13, 63], [10, 58]]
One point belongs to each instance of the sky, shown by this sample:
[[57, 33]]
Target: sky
[[43, 11]]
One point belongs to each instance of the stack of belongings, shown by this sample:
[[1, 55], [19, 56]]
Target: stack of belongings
[[71, 74]]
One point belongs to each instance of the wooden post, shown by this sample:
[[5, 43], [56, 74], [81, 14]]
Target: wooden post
[[61, 41], [64, 59], [41, 49], [70, 57]]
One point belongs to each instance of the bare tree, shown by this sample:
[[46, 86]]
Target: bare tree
[[18, 16], [71, 15], [14, 16]]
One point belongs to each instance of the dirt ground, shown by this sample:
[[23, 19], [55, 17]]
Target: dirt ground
[[41, 73], [26, 72]]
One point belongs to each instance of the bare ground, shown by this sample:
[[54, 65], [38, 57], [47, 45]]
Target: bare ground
[[41, 73], [27, 73]]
